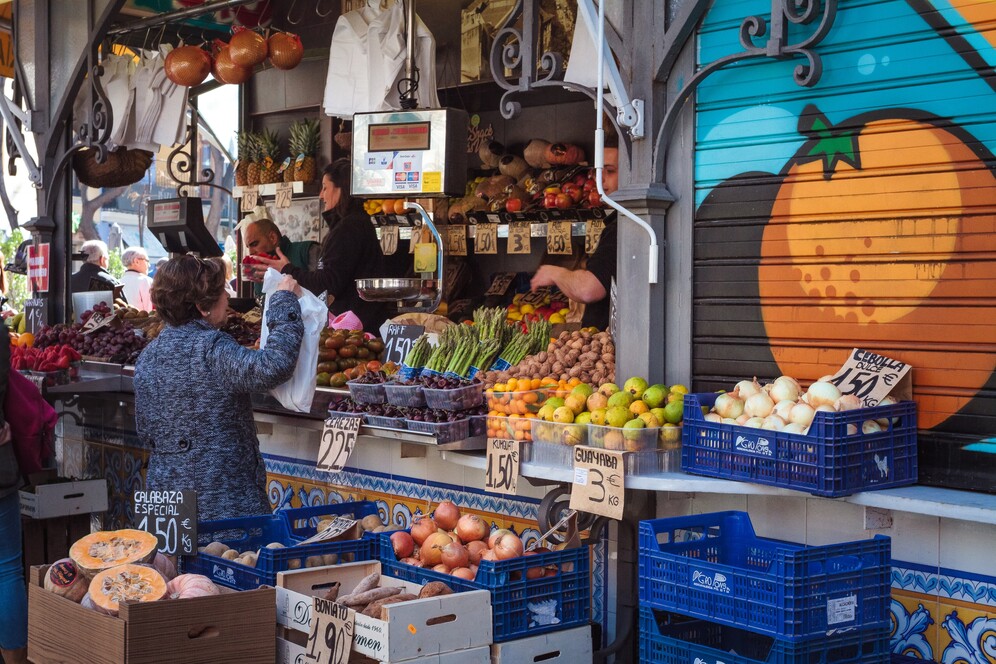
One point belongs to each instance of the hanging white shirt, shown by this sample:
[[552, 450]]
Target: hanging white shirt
[[137, 290], [367, 59]]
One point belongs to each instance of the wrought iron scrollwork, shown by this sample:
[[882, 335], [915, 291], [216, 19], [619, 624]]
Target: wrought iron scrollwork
[[752, 28], [182, 165]]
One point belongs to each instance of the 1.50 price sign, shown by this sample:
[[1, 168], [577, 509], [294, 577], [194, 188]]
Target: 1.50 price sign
[[502, 474], [399, 341], [171, 516]]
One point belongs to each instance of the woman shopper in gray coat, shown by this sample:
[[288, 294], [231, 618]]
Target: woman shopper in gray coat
[[194, 385]]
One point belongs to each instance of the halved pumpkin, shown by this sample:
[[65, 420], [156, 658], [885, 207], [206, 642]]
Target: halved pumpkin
[[103, 550], [135, 583]]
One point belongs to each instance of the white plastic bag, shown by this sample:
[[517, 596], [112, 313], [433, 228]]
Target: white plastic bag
[[298, 392]]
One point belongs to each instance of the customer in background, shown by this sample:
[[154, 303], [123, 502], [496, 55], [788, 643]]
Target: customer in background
[[136, 281], [350, 251], [13, 598], [194, 385], [93, 274], [229, 275]]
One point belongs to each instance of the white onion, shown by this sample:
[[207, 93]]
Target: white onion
[[784, 389], [792, 427], [728, 405], [825, 379], [852, 429], [791, 380], [783, 408], [712, 417], [754, 422], [884, 421], [822, 393], [847, 402], [802, 414], [729, 420], [825, 409], [773, 422], [759, 405], [870, 426], [747, 388], [742, 419]]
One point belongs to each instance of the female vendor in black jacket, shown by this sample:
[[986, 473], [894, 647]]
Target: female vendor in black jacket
[[350, 251]]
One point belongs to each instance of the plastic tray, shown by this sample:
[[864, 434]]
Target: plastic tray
[[302, 521], [650, 462], [568, 593], [458, 398], [664, 641], [558, 433], [445, 432], [385, 422], [713, 566], [252, 533], [518, 402], [478, 426], [373, 393], [828, 461], [404, 396], [512, 427], [625, 440]]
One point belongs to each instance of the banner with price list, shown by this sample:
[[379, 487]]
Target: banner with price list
[[501, 473], [171, 516], [598, 485], [872, 377]]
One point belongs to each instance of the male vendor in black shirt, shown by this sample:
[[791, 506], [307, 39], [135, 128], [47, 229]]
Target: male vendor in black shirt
[[590, 285]]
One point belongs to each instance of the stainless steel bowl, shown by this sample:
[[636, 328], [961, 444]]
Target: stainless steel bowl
[[390, 290]]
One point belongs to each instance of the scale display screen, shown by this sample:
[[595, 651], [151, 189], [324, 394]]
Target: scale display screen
[[402, 136]]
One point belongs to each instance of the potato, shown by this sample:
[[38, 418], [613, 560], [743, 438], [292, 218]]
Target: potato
[[215, 549], [248, 558], [314, 561], [231, 554], [294, 564], [435, 589], [275, 545], [330, 559], [371, 522]]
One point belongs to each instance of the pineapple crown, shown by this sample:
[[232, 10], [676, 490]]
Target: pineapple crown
[[269, 144]]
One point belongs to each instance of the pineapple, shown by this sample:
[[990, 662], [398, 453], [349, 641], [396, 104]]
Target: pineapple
[[269, 147], [305, 142], [252, 151], [243, 165]]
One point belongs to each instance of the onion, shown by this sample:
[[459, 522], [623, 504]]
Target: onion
[[495, 535], [742, 419], [773, 422], [471, 527], [507, 546], [884, 421], [446, 515], [431, 552], [822, 393], [441, 568], [782, 409], [403, 543], [759, 405], [534, 572], [712, 417], [422, 528], [784, 389], [475, 550], [730, 420], [847, 402], [852, 429], [728, 405], [489, 555], [792, 427], [747, 388], [455, 555], [801, 414], [825, 379], [412, 561], [870, 426], [754, 422], [825, 409], [463, 573]]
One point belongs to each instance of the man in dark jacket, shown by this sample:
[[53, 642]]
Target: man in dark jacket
[[93, 274], [263, 237]]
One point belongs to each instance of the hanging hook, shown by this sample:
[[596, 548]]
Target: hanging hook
[[145, 41], [326, 14], [290, 10], [159, 41]]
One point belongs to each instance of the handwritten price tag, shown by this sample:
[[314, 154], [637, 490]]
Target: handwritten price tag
[[285, 192], [501, 283], [250, 198], [502, 474], [537, 297], [399, 341], [486, 239], [331, 637], [598, 482], [558, 237], [872, 377], [171, 516], [36, 314], [389, 240], [338, 438], [592, 234], [339, 525], [97, 321], [456, 240], [519, 238]]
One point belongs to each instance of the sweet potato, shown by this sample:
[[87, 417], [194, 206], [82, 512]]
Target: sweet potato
[[373, 609], [434, 589], [362, 599]]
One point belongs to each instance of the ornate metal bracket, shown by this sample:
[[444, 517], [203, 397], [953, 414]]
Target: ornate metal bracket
[[181, 165], [783, 13]]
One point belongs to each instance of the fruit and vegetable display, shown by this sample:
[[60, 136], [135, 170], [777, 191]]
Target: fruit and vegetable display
[[116, 342], [782, 405], [52, 358], [243, 329], [587, 356], [370, 598], [105, 568], [433, 415], [552, 308], [344, 355]]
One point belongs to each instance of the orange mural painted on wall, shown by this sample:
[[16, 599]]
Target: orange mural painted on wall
[[883, 236]]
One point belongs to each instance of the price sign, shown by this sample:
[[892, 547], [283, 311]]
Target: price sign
[[285, 192], [537, 297], [331, 637], [502, 474], [172, 517], [486, 239], [598, 482], [592, 234], [389, 240], [558, 237], [871, 377], [456, 240], [501, 283], [250, 198], [97, 321], [339, 525], [35, 314], [519, 238], [338, 438], [399, 341]]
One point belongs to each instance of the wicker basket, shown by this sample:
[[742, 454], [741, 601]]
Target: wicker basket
[[122, 167]]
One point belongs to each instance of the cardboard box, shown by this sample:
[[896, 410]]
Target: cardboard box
[[415, 629], [45, 501], [230, 627], [569, 646]]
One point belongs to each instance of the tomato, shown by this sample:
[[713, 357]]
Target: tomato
[[574, 191], [513, 205], [590, 185], [594, 199], [550, 200], [563, 201]]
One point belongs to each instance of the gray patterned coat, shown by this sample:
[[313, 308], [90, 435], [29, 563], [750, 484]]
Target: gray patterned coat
[[193, 407]]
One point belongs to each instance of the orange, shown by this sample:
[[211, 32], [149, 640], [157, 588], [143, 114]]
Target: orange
[[26, 340]]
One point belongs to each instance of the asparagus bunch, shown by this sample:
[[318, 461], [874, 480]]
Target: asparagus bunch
[[465, 351], [419, 353]]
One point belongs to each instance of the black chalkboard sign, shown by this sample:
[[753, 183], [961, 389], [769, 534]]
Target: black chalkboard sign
[[171, 516], [35, 314], [400, 339]]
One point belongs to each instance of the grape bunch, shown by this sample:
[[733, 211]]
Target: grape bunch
[[116, 343]]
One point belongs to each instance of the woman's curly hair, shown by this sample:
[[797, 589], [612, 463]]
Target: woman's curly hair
[[184, 286]]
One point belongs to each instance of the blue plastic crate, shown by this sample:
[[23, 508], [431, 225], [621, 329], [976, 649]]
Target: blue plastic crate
[[665, 641], [568, 594], [302, 522], [256, 532], [713, 566], [827, 461]]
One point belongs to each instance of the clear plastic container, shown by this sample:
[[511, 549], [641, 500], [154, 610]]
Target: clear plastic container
[[512, 427], [623, 440], [516, 403], [404, 396], [652, 462], [459, 398], [545, 454], [445, 432], [386, 422], [478, 426], [558, 433], [367, 392]]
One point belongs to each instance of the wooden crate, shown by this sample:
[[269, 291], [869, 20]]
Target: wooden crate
[[44, 541], [230, 627], [569, 646]]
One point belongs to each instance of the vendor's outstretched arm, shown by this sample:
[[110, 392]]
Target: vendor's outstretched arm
[[578, 285]]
